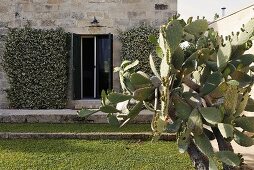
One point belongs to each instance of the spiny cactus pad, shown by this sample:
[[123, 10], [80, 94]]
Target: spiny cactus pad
[[202, 88]]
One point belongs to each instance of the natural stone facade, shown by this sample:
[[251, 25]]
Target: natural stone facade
[[75, 16]]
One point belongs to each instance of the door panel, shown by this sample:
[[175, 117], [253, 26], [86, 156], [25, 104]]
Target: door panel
[[88, 67], [76, 51], [104, 62], [110, 48]]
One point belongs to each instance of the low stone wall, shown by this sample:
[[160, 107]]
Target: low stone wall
[[62, 116]]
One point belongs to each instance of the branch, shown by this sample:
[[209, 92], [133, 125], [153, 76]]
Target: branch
[[222, 143], [199, 160], [194, 86], [223, 146]]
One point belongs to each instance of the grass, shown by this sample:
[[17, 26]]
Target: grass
[[91, 155], [74, 128]]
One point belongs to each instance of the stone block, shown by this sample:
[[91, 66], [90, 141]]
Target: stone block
[[4, 105], [93, 104], [61, 116], [106, 23], [98, 15], [44, 8], [4, 8], [96, 30], [23, 1], [4, 84], [3, 24], [118, 13], [27, 7], [136, 14], [48, 23], [130, 1], [3, 31], [172, 6], [2, 92], [113, 1], [97, 1], [53, 1], [39, 1], [61, 15], [1, 51], [124, 22], [1, 76], [83, 23], [77, 15], [66, 23]]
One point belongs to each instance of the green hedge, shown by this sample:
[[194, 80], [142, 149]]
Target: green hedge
[[136, 45], [36, 63]]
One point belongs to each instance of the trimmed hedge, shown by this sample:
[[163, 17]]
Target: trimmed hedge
[[136, 46], [36, 63]]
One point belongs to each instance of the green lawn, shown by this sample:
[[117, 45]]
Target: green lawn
[[75, 128], [81, 154]]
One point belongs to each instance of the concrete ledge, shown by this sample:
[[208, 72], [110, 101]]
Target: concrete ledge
[[92, 104], [86, 136], [61, 116]]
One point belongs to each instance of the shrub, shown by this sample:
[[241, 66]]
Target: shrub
[[136, 46], [36, 63]]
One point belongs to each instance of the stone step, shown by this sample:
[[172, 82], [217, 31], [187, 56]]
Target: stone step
[[92, 104], [61, 116]]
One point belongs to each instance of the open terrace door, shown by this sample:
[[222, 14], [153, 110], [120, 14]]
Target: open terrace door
[[92, 65]]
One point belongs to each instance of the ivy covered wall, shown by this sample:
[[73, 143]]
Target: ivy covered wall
[[137, 46], [36, 64]]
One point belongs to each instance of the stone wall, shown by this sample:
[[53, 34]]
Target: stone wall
[[75, 16], [234, 22], [3, 80]]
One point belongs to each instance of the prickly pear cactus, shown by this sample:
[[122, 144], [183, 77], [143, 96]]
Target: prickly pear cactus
[[204, 93]]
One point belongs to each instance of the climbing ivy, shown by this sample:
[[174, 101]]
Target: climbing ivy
[[135, 39], [36, 63]]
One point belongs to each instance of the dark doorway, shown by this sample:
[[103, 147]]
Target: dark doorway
[[92, 61], [88, 66]]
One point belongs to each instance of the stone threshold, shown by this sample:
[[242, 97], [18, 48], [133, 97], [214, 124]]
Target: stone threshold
[[61, 116], [87, 136]]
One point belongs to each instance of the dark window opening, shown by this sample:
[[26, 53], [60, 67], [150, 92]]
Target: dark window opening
[[92, 61]]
